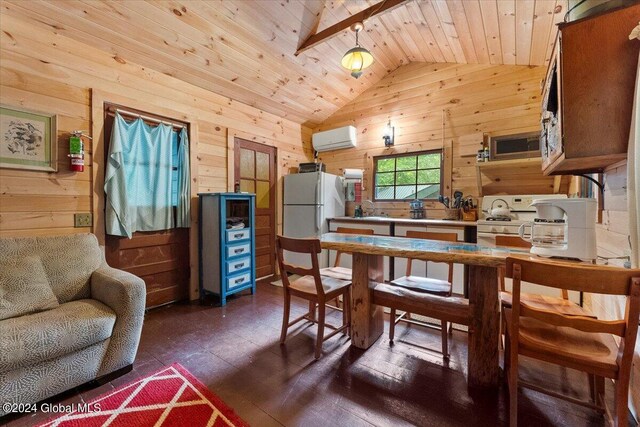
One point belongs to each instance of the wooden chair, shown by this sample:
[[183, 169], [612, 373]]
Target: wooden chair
[[343, 273], [336, 271], [576, 342], [425, 285], [562, 305], [311, 287]]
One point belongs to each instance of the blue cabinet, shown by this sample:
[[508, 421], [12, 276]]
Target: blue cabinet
[[227, 244]]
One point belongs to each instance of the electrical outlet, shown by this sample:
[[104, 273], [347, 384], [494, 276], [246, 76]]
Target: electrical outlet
[[83, 219]]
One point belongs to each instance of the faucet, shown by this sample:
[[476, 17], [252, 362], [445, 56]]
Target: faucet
[[372, 206]]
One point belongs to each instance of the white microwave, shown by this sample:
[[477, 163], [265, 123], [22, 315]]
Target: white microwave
[[518, 146]]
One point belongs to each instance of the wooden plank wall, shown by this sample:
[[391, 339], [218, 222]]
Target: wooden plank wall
[[475, 99], [612, 236], [45, 71]]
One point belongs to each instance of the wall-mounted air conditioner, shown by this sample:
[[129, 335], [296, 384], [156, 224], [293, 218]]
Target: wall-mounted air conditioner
[[334, 139]]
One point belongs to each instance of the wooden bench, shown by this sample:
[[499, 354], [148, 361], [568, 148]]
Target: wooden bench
[[452, 309]]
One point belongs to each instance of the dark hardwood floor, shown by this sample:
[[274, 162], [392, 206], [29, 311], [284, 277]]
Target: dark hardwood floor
[[234, 351]]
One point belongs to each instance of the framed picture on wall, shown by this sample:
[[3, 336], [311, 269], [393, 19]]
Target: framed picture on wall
[[28, 139]]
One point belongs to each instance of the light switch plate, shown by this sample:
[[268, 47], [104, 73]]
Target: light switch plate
[[83, 219]]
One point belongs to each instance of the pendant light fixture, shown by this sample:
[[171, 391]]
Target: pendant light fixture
[[358, 58]]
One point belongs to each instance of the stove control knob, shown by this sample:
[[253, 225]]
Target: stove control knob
[[494, 229], [505, 230]]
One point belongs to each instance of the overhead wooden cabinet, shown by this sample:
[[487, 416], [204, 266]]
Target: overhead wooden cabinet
[[588, 93]]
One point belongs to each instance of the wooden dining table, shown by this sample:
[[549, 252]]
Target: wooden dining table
[[367, 318]]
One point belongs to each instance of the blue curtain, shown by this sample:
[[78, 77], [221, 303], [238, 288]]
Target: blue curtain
[[183, 199], [139, 177]]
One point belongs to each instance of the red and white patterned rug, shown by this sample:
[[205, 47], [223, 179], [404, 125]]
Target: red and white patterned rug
[[170, 397]]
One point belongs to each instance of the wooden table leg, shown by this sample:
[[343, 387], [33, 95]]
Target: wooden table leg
[[367, 323], [483, 331]]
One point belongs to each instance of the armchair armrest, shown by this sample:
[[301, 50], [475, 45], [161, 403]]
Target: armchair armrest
[[125, 294]]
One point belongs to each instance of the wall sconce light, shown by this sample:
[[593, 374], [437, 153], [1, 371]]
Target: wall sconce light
[[388, 135]]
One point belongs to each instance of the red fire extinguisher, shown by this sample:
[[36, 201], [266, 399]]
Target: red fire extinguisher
[[76, 151]]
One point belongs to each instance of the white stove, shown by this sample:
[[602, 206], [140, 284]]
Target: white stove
[[519, 211]]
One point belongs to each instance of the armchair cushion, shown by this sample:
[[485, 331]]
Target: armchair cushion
[[24, 287], [35, 338], [67, 260]]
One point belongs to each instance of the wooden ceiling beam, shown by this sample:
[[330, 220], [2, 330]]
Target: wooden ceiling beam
[[327, 33], [316, 22]]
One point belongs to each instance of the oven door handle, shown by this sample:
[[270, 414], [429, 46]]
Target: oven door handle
[[493, 235], [485, 234]]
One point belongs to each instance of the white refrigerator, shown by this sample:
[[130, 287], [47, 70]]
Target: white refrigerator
[[309, 199]]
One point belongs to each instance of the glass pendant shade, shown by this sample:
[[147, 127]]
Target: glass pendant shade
[[356, 60]]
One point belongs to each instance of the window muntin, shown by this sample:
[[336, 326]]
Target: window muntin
[[408, 176]]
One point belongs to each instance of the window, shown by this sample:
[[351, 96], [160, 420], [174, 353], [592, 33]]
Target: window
[[408, 176], [147, 172]]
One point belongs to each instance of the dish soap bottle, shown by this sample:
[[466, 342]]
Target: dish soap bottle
[[358, 212]]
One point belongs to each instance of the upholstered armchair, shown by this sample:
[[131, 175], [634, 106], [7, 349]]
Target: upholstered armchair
[[66, 317]]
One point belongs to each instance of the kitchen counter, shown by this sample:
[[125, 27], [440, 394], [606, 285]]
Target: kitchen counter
[[407, 221], [467, 231]]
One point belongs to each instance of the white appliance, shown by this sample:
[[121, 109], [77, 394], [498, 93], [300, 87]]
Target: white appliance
[[309, 199], [563, 228], [509, 213], [503, 215], [334, 139]]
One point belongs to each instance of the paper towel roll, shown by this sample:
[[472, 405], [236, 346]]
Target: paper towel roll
[[353, 173]]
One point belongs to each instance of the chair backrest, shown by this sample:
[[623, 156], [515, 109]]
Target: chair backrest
[[345, 230], [300, 246], [517, 242], [446, 237], [579, 277], [512, 241]]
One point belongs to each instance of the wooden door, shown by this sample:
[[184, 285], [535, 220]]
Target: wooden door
[[255, 172], [160, 258]]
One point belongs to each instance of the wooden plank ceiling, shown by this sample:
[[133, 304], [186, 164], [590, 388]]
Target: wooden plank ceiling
[[245, 49]]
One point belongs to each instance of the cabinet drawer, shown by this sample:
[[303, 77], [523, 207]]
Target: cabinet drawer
[[237, 235], [237, 250], [241, 264], [236, 281]]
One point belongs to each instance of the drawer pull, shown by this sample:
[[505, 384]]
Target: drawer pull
[[240, 280], [239, 265], [238, 251], [238, 236]]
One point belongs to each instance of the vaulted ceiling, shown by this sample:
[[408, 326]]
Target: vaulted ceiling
[[245, 49]]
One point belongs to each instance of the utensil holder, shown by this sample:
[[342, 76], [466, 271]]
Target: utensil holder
[[452, 213], [470, 215]]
